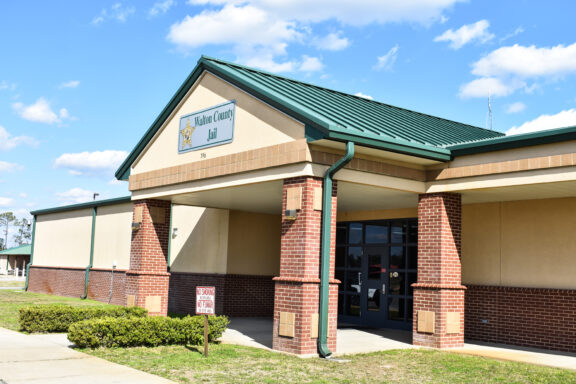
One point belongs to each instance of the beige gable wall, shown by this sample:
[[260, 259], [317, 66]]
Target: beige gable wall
[[529, 243], [113, 236], [63, 239], [254, 244], [202, 241], [256, 125]]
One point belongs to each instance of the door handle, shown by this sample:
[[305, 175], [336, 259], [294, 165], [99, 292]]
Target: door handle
[[384, 288]]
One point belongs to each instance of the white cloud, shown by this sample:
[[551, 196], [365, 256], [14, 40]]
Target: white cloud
[[360, 94], [494, 86], [7, 141], [387, 61], [40, 112], [357, 13], [311, 64], [98, 163], [515, 107], [529, 61], [6, 202], [4, 85], [23, 195], [259, 31], [477, 31], [516, 32], [70, 84], [75, 196], [8, 167], [562, 119], [115, 12], [241, 25], [331, 42], [518, 64], [161, 7]]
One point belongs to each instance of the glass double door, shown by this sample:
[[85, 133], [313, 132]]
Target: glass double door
[[376, 263]]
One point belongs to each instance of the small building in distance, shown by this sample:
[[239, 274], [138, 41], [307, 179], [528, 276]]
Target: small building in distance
[[15, 259]]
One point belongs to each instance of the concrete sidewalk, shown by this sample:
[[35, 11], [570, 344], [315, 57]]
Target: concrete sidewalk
[[37, 359]]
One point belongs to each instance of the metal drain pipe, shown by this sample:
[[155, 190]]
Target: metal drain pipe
[[323, 349], [89, 267], [31, 253]]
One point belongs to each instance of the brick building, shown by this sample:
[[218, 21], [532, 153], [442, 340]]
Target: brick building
[[318, 208]]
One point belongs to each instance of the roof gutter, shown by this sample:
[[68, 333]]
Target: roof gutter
[[323, 349], [31, 253], [90, 264]]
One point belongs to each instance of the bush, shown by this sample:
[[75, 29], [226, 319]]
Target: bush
[[58, 317], [147, 331]]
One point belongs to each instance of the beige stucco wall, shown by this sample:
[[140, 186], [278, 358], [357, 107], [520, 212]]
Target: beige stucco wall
[[202, 241], [63, 239], [383, 214], [113, 236], [528, 243], [256, 125], [254, 244]]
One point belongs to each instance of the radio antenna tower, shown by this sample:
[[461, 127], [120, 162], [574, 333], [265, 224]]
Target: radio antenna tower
[[489, 110]]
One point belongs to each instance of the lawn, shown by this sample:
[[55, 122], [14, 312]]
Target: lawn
[[236, 364], [12, 283], [12, 301]]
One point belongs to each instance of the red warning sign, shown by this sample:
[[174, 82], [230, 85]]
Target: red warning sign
[[205, 300]]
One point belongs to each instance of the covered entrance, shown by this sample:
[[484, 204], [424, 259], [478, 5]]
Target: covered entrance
[[376, 261]]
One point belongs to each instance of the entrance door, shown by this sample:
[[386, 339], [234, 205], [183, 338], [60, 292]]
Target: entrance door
[[376, 262]]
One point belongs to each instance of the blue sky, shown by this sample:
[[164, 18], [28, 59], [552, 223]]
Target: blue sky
[[80, 82]]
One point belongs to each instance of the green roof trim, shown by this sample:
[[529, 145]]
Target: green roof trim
[[329, 114], [90, 204], [25, 249], [515, 141]]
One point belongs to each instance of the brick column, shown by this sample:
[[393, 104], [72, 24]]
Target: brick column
[[147, 279], [439, 293], [296, 299]]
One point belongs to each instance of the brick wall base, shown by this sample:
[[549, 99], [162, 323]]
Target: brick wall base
[[62, 281], [530, 317], [236, 295]]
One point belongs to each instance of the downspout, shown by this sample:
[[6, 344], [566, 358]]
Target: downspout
[[169, 240], [89, 267], [325, 249], [31, 253]]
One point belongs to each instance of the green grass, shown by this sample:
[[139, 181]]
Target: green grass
[[12, 301], [236, 364], [15, 284]]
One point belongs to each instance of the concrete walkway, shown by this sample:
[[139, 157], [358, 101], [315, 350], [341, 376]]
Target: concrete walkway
[[257, 332], [39, 360]]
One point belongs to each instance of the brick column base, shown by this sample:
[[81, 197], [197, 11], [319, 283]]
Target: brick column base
[[447, 332], [148, 290], [439, 295]]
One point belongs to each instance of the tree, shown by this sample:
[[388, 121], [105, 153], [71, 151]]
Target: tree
[[6, 219], [23, 235]]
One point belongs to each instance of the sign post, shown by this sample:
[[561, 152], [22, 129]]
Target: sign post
[[205, 305]]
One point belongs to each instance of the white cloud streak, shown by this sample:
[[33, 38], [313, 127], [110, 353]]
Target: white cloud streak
[[7, 141], [386, 62], [8, 167], [98, 163], [331, 42], [70, 84], [477, 31], [116, 12], [75, 196], [516, 107], [360, 94], [6, 202], [564, 118], [40, 112], [161, 7]]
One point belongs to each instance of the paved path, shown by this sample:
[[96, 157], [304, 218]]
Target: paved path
[[39, 360]]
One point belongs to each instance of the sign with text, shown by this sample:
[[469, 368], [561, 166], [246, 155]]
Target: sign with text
[[207, 128], [205, 300]]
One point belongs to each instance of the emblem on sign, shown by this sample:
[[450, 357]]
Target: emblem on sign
[[207, 128]]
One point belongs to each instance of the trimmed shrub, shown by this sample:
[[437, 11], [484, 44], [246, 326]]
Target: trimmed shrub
[[58, 317], [146, 331]]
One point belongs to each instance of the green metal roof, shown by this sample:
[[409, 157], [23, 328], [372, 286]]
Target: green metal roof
[[90, 204], [515, 141], [330, 114], [25, 249]]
